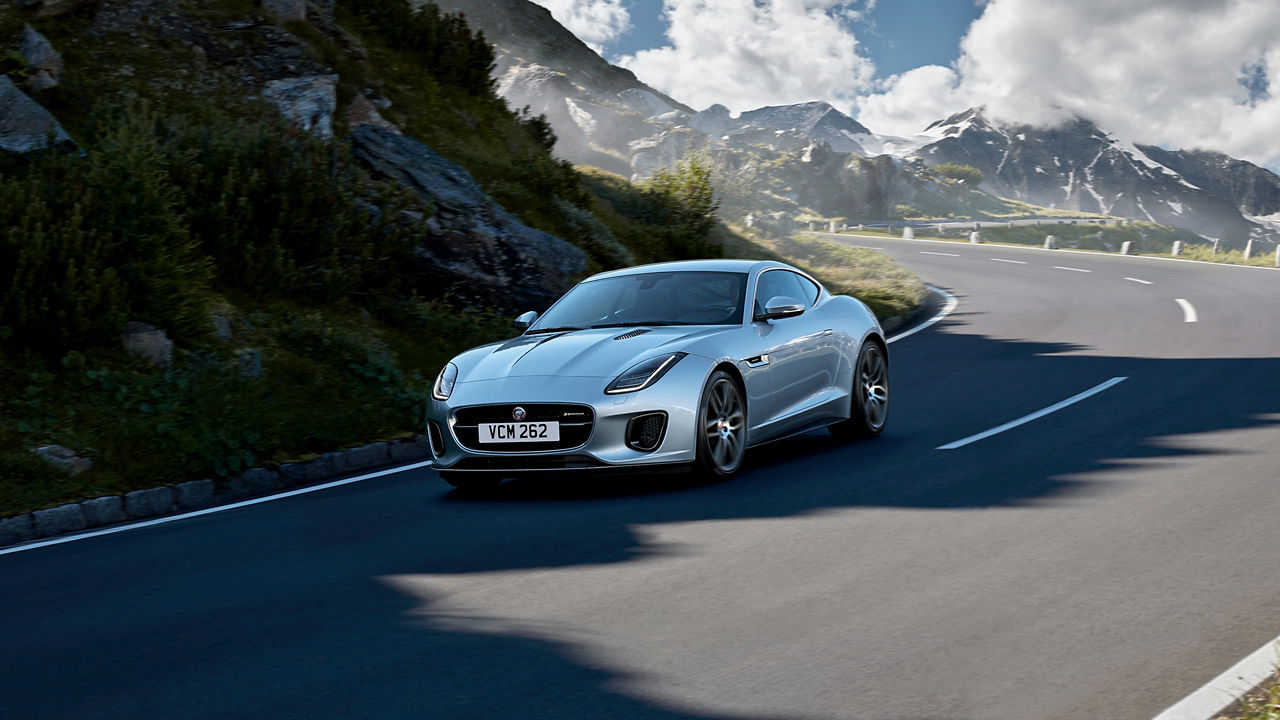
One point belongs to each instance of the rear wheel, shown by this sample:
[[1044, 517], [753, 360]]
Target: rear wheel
[[721, 427], [869, 406]]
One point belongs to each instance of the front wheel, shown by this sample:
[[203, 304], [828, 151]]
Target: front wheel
[[869, 406], [721, 427]]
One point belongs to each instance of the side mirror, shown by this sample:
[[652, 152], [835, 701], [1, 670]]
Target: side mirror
[[524, 320], [780, 307]]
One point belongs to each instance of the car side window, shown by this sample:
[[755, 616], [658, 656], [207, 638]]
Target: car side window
[[773, 283], [809, 288]]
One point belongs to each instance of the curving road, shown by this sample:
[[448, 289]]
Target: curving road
[[1098, 561]]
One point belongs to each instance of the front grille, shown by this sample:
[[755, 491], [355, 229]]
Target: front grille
[[575, 425], [529, 462]]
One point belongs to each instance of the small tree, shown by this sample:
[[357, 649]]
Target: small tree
[[963, 174], [683, 201]]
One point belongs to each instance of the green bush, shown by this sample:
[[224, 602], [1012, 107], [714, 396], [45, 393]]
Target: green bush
[[443, 44], [965, 174]]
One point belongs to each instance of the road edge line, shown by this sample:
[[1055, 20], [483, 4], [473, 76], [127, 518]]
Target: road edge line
[[948, 308], [1035, 415], [1220, 692], [208, 511]]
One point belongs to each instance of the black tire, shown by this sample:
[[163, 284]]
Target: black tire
[[721, 427], [869, 405], [471, 482]]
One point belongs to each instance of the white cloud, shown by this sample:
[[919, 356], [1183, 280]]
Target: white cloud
[[595, 22], [748, 53], [1155, 71]]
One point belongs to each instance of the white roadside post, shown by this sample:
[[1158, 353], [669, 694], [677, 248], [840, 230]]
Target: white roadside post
[[831, 226], [1278, 255], [1248, 249], [1126, 247], [1177, 248], [975, 237], [1050, 242], [908, 233]]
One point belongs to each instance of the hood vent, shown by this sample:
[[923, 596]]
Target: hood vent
[[633, 333]]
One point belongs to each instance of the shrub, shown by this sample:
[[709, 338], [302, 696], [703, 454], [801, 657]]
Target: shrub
[[964, 174]]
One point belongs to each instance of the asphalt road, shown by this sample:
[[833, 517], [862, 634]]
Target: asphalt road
[[1101, 561]]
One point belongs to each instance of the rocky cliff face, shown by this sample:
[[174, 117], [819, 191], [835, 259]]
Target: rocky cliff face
[[1080, 167]]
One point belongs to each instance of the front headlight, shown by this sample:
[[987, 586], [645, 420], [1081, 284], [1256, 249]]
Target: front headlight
[[642, 375], [444, 382]]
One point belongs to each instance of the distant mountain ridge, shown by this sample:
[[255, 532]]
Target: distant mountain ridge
[[605, 116], [1078, 166]]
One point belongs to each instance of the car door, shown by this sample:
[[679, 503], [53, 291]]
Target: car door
[[797, 366]]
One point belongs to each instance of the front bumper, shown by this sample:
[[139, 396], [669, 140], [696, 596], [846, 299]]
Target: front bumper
[[605, 448]]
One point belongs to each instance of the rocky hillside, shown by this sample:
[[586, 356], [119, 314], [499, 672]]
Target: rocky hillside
[[1080, 167]]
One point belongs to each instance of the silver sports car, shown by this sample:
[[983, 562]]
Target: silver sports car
[[675, 365]]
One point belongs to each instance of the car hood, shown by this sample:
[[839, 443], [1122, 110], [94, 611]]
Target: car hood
[[600, 352]]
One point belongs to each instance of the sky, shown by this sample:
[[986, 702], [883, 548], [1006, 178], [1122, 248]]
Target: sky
[[1175, 73]]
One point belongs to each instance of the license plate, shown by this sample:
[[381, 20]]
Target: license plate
[[519, 432]]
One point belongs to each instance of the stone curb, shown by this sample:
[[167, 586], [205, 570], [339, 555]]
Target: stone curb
[[199, 494]]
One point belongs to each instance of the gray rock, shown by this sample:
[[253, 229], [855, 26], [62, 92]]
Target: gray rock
[[250, 361], [148, 503], [303, 473], [222, 327], [362, 112], [339, 462], [44, 61], [103, 510], [63, 459], [473, 243], [195, 494], [24, 124], [255, 481], [287, 9], [20, 528], [55, 521], [147, 342], [307, 102]]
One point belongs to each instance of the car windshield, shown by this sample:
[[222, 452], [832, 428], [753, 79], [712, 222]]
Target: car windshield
[[656, 298]]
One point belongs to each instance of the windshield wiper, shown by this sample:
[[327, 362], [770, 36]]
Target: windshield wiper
[[566, 328]]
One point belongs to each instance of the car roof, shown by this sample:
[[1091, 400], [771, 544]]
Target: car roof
[[716, 265]]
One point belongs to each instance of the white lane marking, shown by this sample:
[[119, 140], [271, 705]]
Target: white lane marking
[[864, 247], [210, 511], [1225, 689], [1059, 267], [1188, 312], [1144, 282], [945, 311], [926, 252], [1015, 262], [1033, 416]]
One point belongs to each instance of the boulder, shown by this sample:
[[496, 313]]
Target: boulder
[[45, 62], [477, 248], [59, 520], [147, 342], [307, 102], [24, 124], [63, 459], [103, 510]]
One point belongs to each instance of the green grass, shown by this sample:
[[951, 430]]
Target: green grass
[[889, 289], [1263, 703]]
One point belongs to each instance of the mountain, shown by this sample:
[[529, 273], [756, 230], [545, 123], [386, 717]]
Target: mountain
[[815, 121], [1078, 166]]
